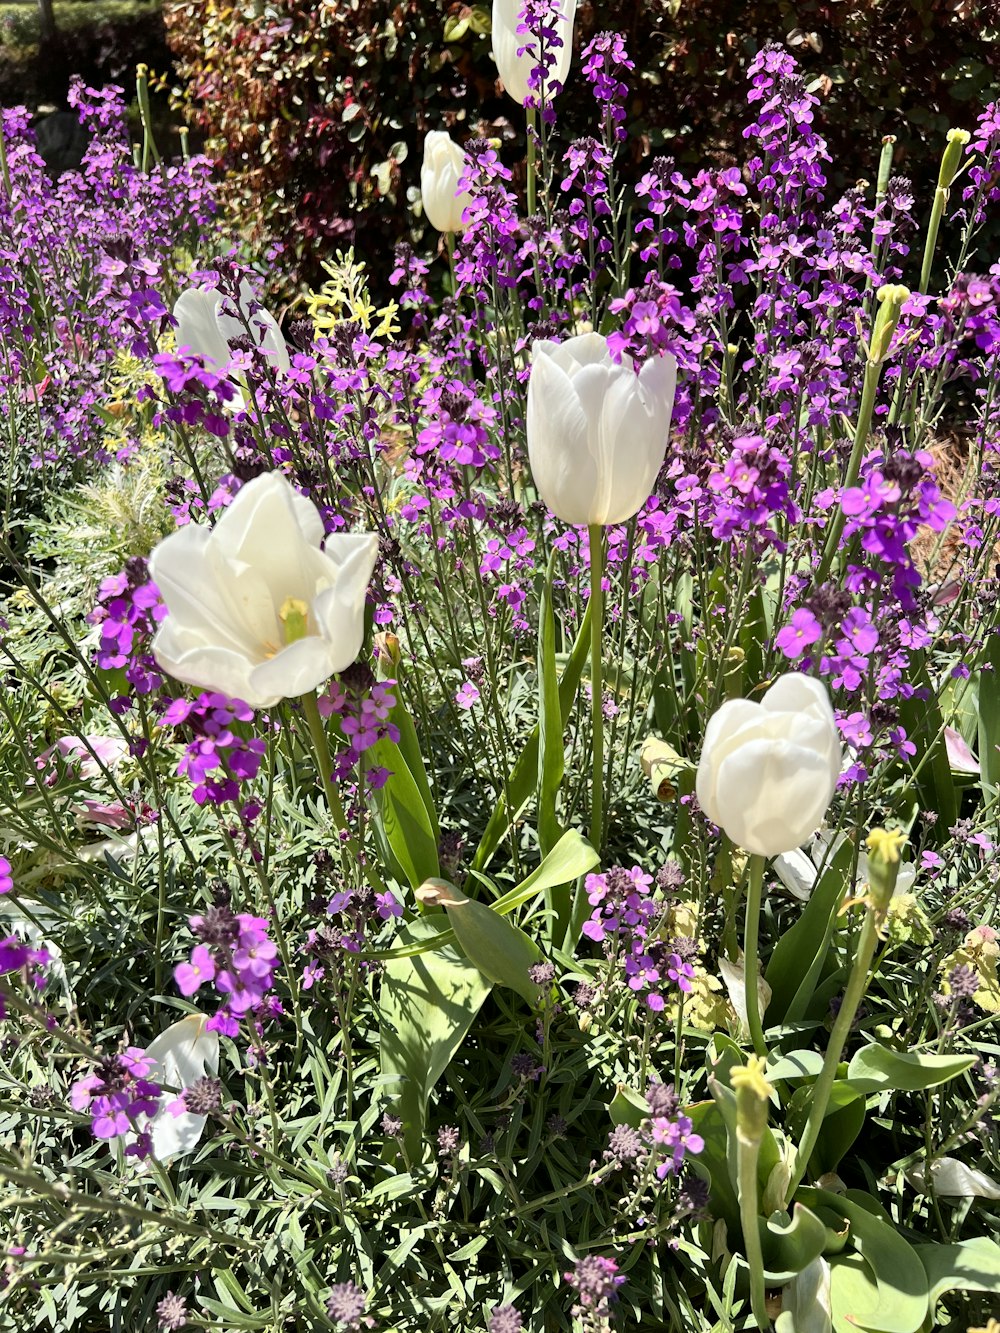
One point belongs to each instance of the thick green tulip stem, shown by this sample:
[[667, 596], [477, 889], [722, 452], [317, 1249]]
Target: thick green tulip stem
[[750, 937], [317, 734], [746, 1179], [532, 120], [823, 1087], [596, 535], [752, 1091]]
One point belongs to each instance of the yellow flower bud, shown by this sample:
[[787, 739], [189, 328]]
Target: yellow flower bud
[[752, 1095], [951, 157]]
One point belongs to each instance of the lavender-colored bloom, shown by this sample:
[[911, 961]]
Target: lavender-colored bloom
[[346, 1306], [596, 1281], [505, 1319], [171, 1312]]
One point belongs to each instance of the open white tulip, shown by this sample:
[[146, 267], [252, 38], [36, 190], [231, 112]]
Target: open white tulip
[[256, 609], [444, 164], [204, 326], [768, 770], [515, 69], [184, 1053], [597, 431]]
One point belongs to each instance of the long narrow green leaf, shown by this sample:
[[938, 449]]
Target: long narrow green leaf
[[551, 755], [521, 782]]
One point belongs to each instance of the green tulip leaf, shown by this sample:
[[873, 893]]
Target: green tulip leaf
[[875, 1068], [989, 716], [798, 958], [921, 717], [709, 1122], [971, 1265], [551, 755], [428, 1003], [497, 947], [404, 813], [790, 1243], [796, 1064], [628, 1107], [879, 1283]]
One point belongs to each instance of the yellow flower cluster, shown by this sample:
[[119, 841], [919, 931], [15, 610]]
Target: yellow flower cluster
[[345, 296]]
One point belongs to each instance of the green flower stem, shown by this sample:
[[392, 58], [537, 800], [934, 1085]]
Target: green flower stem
[[317, 733], [930, 243], [750, 936], [823, 1087], [532, 121], [747, 1152], [596, 535]]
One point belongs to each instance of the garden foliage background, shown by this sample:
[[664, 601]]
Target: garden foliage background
[[433, 997]]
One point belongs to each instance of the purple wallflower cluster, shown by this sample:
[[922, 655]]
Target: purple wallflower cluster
[[117, 1095], [239, 957], [626, 918], [217, 760], [128, 611], [102, 244], [18, 956]]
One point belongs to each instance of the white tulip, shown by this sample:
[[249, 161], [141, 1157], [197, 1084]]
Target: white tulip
[[597, 432], [257, 610], [204, 326], [444, 164], [515, 69], [183, 1054], [768, 770]]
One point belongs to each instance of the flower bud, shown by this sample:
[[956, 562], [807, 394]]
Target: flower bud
[[514, 69], [892, 296], [883, 865], [951, 157], [768, 771], [444, 164], [752, 1095], [597, 431]]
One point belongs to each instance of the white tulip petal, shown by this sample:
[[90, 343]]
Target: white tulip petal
[[297, 669], [264, 328], [197, 330], [774, 794], [184, 1053], [734, 979], [951, 1177], [564, 471], [797, 872], [182, 568], [188, 658]]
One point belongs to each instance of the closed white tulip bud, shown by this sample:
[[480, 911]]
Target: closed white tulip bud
[[768, 770], [515, 69], [597, 431], [256, 609], [444, 163], [205, 326]]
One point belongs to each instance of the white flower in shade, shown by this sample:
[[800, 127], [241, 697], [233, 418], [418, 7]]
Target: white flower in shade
[[444, 164], [799, 872], [257, 607], [768, 770], [597, 431], [184, 1053], [208, 324], [514, 69]]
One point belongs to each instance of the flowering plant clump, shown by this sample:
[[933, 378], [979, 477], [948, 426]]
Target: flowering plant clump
[[564, 711]]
